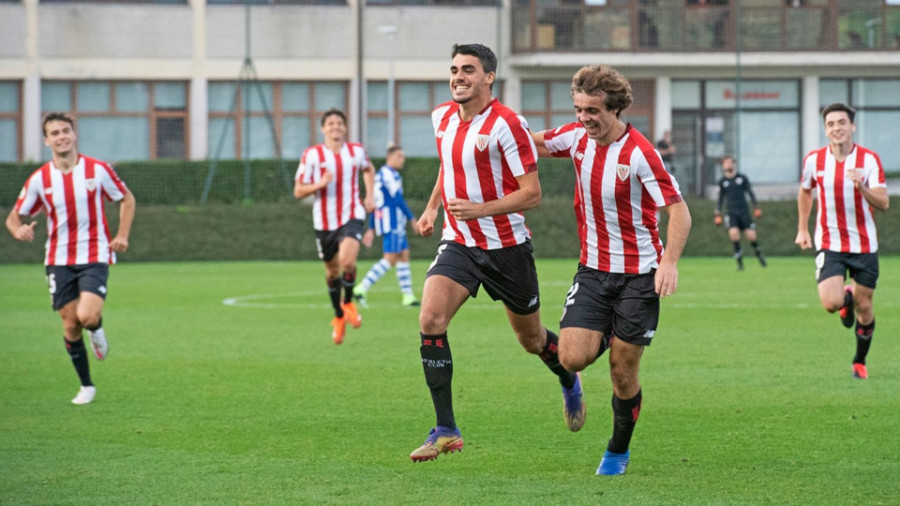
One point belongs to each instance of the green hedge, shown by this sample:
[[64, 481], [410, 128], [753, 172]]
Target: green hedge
[[283, 231], [182, 182]]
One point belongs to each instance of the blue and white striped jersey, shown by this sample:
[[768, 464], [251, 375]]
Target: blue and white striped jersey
[[391, 212]]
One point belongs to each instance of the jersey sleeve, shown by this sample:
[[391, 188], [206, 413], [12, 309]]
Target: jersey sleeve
[[652, 173], [306, 170], [561, 140], [748, 189], [29, 200], [808, 172], [517, 145], [721, 195], [874, 171], [113, 187]]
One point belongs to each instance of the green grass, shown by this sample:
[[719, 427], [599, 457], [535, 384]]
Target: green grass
[[748, 397]]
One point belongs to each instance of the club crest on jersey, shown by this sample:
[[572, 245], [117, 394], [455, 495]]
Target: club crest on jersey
[[623, 171], [481, 142], [440, 134], [579, 155], [90, 184]]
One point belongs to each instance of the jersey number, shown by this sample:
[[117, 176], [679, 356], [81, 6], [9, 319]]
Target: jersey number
[[570, 297], [51, 283]]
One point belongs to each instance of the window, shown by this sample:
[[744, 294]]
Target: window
[[413, 129], [470, 3], [239, 125], [123, 120], [547, 104], [877, 110], [10, 121]]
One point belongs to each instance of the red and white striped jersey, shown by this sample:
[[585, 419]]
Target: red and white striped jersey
[[844, 221], [338, 202], [480, 161], [618, 190], [77, 232]]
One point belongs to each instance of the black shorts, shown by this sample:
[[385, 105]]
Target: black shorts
[[742, 221], [624, 305], [66, 282], [328, 241], [863, 267], [507, 274]]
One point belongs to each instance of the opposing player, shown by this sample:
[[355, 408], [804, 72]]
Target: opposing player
[[389, 221], [734, 188], [849, 181], [71, 190], [488, 177], [620, 183], [331, 171]]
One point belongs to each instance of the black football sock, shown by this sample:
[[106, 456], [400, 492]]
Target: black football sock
[[80, 361], [348, 281], [550, 356], [625, 416], [756, 248], [863, 341], [438, 365], [737, 248], [334, 292]]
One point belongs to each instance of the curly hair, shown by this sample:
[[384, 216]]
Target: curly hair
[[605, 81]]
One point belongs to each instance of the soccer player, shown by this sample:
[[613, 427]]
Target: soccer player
[[331, 171], [488, 177], [849, 181], [389, 221], [71, 189], [621, 182], [734, 187]]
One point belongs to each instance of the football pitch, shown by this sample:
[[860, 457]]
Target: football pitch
[[223, 387]]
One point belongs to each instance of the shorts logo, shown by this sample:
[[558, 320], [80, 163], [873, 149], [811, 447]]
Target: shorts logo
[[481, 142], [90, 184], [102, 289], [820, 260], [533, 302], [358, 237], [649, 334], [623, 171]]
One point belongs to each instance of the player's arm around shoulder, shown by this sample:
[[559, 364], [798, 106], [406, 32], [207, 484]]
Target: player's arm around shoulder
[[679, 228]]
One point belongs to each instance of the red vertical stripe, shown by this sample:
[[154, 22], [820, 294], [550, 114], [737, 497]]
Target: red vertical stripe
[[823, 205], [860, 207], [648, 218], [840, 208], [579, 200], [439, 139], [323, 193], [595, 185], [459, 179], [71, 218], [631, 255], [486, 182], [92, 203], [354, 194], [339, 189], [51, 215]]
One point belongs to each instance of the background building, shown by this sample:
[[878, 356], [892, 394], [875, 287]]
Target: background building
[[158, 80]]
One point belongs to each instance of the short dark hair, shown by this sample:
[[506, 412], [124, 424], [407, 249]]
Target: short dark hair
[[334, 112], [484, 54], [837, 106], [728, 157], [393, 148], [56, 116]]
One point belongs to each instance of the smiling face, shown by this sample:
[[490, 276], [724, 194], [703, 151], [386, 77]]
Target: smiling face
[[601, 124], [838, 128], [60, 137], [334, 128], [468, 80]]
